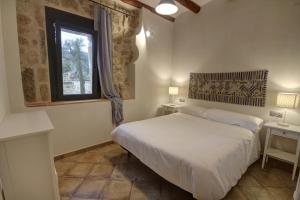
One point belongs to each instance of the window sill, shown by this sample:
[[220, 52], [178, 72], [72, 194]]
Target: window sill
[[59, 103]]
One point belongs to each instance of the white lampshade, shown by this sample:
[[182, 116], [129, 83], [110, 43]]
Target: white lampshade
[[287, 100], [166, 7], [173, 90]]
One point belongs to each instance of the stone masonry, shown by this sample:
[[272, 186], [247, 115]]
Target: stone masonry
[[33, 45]]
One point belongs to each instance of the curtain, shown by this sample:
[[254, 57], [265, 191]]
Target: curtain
[[103, 26]]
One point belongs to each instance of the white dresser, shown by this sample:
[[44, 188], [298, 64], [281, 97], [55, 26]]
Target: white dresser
[[27, 167]]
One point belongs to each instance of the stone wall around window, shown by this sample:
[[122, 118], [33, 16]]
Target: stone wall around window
[[33, 45]]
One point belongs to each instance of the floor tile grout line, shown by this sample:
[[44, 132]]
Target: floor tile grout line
[[87, 177], [262, 185], [84, 178], [101, 195], [104, 188], [85, 162], [67, 171]]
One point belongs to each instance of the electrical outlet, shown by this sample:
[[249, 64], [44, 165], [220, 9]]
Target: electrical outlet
[[276, 114]]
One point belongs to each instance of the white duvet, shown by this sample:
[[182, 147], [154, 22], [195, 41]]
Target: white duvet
[[203, 157]]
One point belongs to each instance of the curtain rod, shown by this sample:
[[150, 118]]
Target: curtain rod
[[114, 9]]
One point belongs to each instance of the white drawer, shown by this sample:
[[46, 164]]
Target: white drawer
[[285, 134]]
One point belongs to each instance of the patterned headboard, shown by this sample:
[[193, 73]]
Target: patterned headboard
[[244, 88]]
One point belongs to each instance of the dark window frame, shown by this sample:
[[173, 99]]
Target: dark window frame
[[55, 21]]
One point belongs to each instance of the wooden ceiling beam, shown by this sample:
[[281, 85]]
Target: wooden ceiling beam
[[189, 4], [138, 4]]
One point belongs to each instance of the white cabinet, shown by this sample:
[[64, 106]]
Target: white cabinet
[[27, 167]]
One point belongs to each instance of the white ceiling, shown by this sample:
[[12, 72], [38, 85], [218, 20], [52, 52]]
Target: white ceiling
[[182, 9]]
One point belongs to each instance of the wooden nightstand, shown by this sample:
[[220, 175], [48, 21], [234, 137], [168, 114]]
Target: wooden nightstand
[[170, 108], [292, 132]]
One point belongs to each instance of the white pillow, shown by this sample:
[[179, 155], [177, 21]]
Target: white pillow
[[197, 111], [249, 122]]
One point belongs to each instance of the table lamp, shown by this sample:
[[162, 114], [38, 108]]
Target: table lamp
[[287, 100], [173, 91]]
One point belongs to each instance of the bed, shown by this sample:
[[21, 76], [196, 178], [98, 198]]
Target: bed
[[200, 155]]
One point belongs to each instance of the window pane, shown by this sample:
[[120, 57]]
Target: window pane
[[77, 62]]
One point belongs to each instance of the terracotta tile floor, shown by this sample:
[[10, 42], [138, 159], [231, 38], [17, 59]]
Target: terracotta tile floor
[[107, 173]]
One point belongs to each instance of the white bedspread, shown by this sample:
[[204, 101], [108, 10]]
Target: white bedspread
[[203, 157]]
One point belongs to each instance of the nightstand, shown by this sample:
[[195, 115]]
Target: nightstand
[[170, 108], [292, 132]]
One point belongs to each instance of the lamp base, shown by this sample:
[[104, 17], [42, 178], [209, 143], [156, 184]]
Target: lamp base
[[284, 124]]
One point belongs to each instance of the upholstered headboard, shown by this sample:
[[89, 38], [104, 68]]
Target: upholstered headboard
[[244, 88]]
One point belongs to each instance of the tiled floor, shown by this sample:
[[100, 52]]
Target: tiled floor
[[107, 173]]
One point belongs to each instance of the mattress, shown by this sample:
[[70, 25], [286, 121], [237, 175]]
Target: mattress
[[203, 157]]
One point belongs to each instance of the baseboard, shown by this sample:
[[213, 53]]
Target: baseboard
[[72, 153]]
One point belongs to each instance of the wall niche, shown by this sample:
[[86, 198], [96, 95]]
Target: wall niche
[[33, 45]]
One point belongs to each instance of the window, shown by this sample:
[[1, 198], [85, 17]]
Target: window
[[72, 56]]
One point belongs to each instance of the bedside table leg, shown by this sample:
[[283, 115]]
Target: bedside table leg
[[266, 148], [297, 158], [269, 145]]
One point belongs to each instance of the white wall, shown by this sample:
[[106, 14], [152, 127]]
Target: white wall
[[241, 35], [85, 124], [4, 105]]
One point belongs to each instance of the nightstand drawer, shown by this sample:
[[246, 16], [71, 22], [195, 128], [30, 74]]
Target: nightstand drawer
[[285, 134]]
